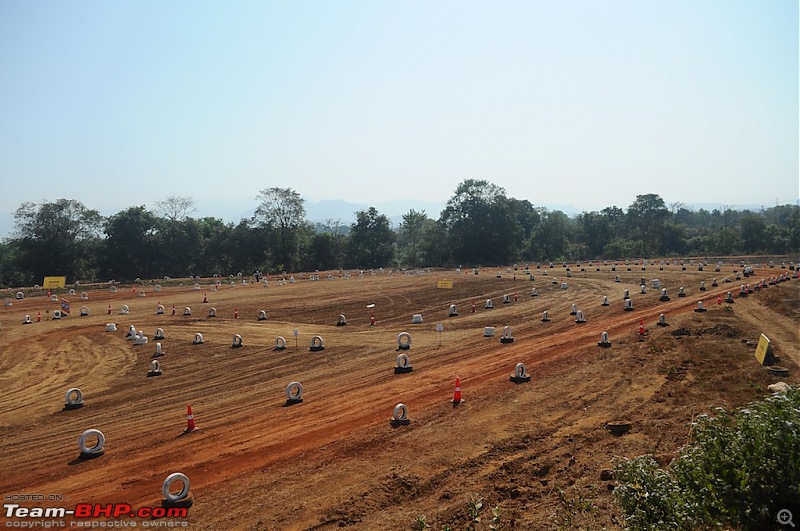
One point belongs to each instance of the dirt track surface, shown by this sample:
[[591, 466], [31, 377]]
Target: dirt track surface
[[334, 460]]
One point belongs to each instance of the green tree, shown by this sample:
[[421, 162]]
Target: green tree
[[551, 236], [56, 238], [245, 249], [753, 229], [482, 224], [412, 230], [283, 211], [214, 233], [646, 218], [371, 240], [595, 232], [434, 246], [128, 250], [10, 275]]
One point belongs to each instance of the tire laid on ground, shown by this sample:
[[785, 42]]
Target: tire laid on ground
[[317, 343], [97, 448], [400, 412], [172, 478], [280, 343], [404, 340], [294, 392], [73, 399]]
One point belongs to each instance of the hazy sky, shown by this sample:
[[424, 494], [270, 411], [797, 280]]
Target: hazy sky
[[584, 102]]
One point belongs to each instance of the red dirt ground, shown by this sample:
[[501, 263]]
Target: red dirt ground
[[536, 450]]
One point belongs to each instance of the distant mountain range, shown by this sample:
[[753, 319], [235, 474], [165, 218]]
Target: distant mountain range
[[234, 210]]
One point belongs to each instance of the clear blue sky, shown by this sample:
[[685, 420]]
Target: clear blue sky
[[584, 102]]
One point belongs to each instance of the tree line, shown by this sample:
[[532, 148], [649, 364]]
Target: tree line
[[480, 225]]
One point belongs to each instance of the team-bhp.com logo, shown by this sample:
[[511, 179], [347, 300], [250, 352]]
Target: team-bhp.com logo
[[94, 510]]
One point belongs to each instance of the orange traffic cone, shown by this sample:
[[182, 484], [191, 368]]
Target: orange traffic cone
[[641, 327], [109, 309], [190, 425], [473, 306], [372, 318], [235, 312], [515, 296], [457, 393], [39, 316], [205, 298], [719, 299], [173, 309]]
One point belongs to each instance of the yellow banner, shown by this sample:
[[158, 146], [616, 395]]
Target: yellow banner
[[54, 282], [444, 284], [762, 349]]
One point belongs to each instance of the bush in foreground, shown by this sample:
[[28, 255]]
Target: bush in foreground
[[741, 469]]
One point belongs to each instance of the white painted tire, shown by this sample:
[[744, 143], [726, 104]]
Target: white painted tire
[[198, 339], [262, 315], [98, 447], [400, 412], [111, 327], [316, 342], [280, 342], [84, 310], [403, 362], [172, 478], [124, 310], [160, 309], [73, 397], [212, 312], [187, 311], [294, 391], [404, 340], [237, 341], [507, 332], [157, 288], [20, 295], [57, 314], [113, 289], [520, 371]]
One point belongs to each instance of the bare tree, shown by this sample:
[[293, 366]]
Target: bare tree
[[175, 207]]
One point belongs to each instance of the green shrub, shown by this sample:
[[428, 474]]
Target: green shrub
[[739, 471]]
